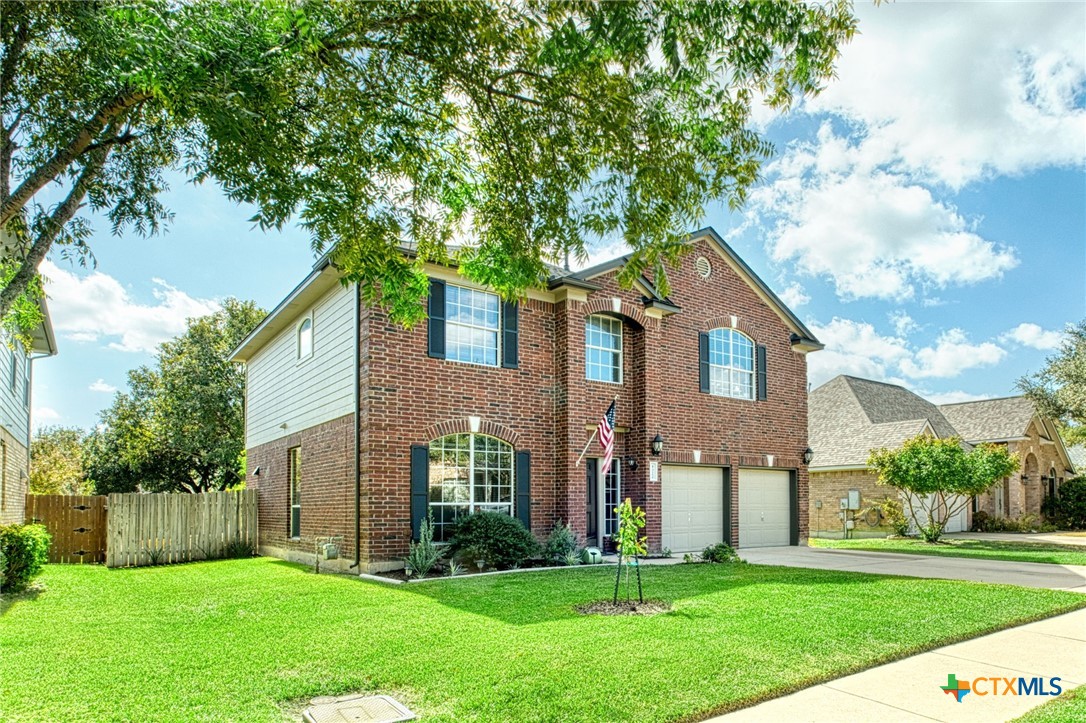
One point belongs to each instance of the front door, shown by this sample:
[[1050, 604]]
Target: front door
[[591, 505]]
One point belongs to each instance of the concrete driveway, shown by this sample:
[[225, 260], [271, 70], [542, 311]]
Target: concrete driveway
[[1026, 574]]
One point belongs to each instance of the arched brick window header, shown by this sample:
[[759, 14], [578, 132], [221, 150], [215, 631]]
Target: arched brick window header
[[629, 311], [725, 322], [463, 426]]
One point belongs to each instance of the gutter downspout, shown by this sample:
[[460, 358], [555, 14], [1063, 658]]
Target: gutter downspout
[[357, 429]]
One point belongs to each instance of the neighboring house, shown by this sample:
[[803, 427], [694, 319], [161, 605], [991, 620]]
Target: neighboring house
[[16, 376], [355, 423], [849, 417], [1077, 454], [1014, 423]]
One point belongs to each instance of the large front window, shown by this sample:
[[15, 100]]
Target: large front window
[[603, 349], [731, 364], [471, 325], [468, 473]]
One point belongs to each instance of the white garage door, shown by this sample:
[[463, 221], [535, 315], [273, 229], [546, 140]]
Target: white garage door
[[957, 523], [692, 507], [765, 509]]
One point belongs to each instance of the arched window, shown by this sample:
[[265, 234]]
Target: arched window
[[731, 364], [468, 473], [305, 338]]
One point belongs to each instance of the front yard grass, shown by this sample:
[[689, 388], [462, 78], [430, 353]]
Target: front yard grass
[[250, 639], [1068, 707], [982, 549]]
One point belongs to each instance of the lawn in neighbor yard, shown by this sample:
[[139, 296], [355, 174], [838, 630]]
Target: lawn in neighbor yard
[[250, 639], [983, 549]]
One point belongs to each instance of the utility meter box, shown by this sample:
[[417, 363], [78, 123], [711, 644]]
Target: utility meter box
[[850, 524], [854, 499], [844, 503]]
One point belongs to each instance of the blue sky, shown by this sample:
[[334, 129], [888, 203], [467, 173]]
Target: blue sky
[[925, 215]]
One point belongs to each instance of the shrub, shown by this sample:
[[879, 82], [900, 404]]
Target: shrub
[[238, 550], [422, 555], [560, 544], [497, 538], [981, 521], [720, 552], [1071, 504], [25, 549], [894, 515]]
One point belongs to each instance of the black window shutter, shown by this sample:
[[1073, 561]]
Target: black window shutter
[[509, 335], [420, 483], [703, 358], [524, 488], [761, 372], [436, 326]]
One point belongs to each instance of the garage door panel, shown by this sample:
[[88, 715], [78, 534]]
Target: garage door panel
[[765, 508], [692, 507]]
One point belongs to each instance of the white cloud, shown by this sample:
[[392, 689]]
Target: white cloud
[[42, 416], [794, 295], [955, 92], [903, 323], [102, 386], [1032, 335], [856, 348], [873, 232], [952, 354], [97, 307]]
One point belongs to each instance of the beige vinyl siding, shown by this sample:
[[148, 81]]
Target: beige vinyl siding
[[14, 414], [282, 389]]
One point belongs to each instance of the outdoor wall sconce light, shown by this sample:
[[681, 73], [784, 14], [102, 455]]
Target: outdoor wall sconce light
[[657, 445], [808, 455], [631, 462], [1025, 478], [256, 472]]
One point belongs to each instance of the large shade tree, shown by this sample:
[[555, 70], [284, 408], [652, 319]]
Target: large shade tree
[[180, 426], [1059, 389], [527, 128], [56, 466]]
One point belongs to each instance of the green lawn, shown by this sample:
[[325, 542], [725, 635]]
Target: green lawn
[[984, 549], [248, 639], [1070, 706]]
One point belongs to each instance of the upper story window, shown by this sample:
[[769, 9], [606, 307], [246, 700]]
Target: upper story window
[[305, 338], [731, 364], [603, 349], [471, 325]]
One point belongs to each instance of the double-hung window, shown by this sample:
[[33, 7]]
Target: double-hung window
[[472, 319], [731, 364], [603, 349]]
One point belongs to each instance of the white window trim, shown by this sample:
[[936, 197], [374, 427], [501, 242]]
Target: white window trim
[[729, 369], [299, 358], [601, 493], [620, 351], [472, 505], [497, 330]]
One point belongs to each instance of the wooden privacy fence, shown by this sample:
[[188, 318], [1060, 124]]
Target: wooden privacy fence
[[161, 528], [76, 523]]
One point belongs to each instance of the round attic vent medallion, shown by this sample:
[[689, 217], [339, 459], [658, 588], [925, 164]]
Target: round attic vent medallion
[[703, 267]]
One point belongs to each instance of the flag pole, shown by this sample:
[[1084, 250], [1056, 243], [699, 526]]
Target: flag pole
[[589, 442]]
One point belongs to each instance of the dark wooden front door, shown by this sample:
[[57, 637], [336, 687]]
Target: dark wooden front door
[[592, 491]]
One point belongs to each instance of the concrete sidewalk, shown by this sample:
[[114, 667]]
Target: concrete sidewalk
[[909, 689], [1026, 574]]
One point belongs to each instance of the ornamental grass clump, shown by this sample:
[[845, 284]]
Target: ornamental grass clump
[[422, 555]]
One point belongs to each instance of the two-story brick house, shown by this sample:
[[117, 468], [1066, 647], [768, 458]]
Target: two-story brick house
[[357, 427]]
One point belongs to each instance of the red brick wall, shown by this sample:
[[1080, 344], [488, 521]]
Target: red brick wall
[[327, 487]]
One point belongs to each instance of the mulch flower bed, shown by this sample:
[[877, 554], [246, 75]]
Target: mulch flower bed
[[606, 607]]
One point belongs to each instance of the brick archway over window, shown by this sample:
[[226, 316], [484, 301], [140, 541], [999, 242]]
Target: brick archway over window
[[463, 426], [725, 322], [629, 311]]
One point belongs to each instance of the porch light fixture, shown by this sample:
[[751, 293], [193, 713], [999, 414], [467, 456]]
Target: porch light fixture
[[631, 462], [1025, 478], [808, 455], [256, 472], [657, 445]]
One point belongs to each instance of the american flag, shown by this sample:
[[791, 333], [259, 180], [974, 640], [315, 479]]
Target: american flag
[[607, 438]]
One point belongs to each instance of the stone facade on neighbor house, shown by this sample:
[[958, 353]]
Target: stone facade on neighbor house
[[488, 405], [849, 417], [16, 377], [1044, 463]]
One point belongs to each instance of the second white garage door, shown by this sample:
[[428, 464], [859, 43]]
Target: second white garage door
[[692, 507], [765, 508]]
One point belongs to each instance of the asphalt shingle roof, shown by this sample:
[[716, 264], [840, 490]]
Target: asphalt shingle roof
[[991, 419], [848, 417]]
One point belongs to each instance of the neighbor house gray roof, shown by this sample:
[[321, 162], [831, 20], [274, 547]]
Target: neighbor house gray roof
[[991, 419], [848, 417], [1077, 454]]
